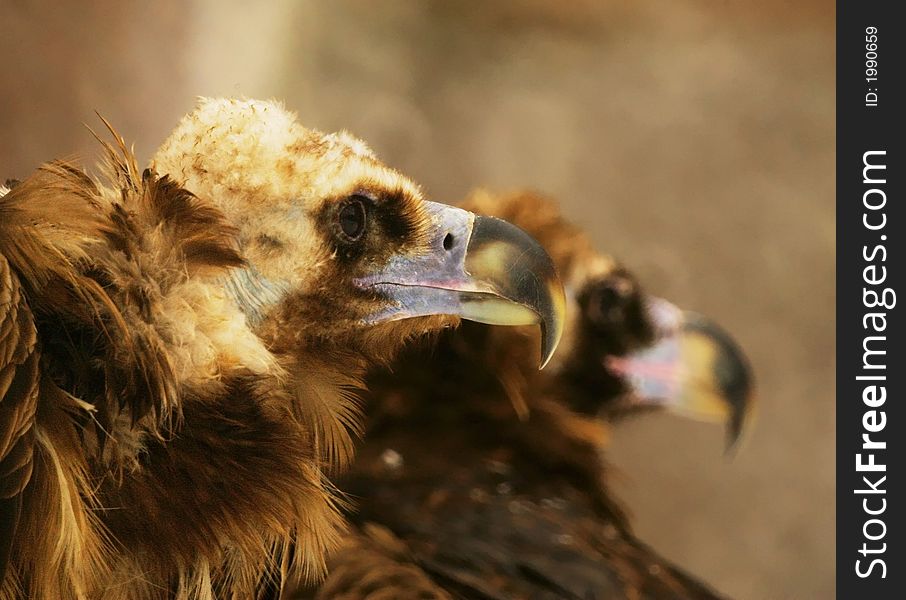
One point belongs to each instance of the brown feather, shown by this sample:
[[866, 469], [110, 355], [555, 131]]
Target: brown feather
[[83, 468]]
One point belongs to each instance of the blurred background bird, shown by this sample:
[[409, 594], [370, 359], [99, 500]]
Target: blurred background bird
[[693, 139], [178, 364], [481, 477]]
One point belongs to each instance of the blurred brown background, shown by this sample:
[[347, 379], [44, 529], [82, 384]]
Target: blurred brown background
[[694, 139]]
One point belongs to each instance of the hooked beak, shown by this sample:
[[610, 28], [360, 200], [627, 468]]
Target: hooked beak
[[693, 368], [479, 268]]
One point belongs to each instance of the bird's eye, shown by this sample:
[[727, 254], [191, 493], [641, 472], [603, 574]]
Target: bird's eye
[[614, 309], [352, 219], [608, 302]]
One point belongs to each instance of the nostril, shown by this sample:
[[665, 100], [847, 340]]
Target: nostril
[[448, 241]]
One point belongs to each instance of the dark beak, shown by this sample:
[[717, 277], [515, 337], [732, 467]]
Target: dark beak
[[479, 268], [693, 368]]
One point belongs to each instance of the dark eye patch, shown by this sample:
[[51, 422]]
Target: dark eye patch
[[612, 309], [371, 223], [396, 216]]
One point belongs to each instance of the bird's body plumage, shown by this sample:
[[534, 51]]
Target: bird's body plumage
[[145, 405]]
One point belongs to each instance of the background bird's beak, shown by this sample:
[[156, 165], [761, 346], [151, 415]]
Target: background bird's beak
[[693, 368], [479, 268]]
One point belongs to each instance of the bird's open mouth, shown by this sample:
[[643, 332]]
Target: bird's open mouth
[[479, 268]]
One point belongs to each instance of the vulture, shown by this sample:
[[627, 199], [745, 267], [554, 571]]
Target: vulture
[[481, 477], [181, 348]]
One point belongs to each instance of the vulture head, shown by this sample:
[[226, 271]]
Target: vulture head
[[625, 351], [343, 253]]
